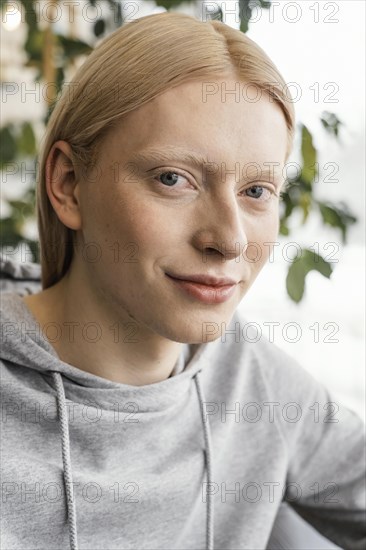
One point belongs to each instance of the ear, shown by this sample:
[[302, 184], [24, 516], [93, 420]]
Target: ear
[[62, 184]]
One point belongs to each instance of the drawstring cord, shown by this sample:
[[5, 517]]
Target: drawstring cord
[[208, 455], [66, 459]]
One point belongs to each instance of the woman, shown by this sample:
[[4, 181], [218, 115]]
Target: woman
[[140, 409]]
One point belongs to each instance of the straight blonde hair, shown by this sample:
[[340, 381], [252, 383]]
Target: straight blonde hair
[[133, 65]]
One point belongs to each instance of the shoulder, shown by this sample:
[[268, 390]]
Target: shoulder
[[18, 276], [254, 351]]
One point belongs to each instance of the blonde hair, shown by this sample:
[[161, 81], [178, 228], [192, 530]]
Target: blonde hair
[[133, 65]]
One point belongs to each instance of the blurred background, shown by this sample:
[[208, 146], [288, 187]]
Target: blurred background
[[310, 297]]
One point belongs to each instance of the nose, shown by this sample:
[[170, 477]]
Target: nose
[[221, 230]]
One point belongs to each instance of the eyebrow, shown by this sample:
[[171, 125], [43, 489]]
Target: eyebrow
[[170, 153], [173, 153]]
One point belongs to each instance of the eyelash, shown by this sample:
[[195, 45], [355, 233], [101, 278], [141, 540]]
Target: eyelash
[[175, 171]]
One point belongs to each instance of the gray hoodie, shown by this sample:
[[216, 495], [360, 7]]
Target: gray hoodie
[[204, 459]]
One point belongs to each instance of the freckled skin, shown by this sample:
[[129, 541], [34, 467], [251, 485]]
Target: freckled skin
[[157, 228]]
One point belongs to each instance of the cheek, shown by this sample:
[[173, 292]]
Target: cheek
[[144, 224], [262, 234]]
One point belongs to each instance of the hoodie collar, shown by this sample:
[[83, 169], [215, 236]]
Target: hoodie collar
[[23, 343]]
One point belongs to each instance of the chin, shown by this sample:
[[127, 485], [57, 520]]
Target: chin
[[196, 329]]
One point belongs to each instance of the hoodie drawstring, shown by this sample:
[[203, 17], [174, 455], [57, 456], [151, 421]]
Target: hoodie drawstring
[[66, 460], [208, 455]]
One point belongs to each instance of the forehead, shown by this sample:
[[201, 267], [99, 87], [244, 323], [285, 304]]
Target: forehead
[[218, 118]]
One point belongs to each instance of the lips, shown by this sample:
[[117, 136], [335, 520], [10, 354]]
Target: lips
[[205, 288], [209, 280]]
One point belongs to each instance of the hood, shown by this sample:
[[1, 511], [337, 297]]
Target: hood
[[23, 344]]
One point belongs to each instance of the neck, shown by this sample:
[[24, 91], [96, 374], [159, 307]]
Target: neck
[[99, 339]]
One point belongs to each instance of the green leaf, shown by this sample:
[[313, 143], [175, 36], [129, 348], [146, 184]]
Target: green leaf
[[168, 4], [331, 216], [337, 216], [60, 77], [10, 236], [295, 280], [34, 46], [309, 156], [331, 123], [283, 230], [287, 204], [21, 210], [244, 24], [245, 13], [300, 267], [305, 203], [8, 145], [31, 17], [27, 140], [117, 11], [316, 262], [266, 4], [72, 47], [34, 246]]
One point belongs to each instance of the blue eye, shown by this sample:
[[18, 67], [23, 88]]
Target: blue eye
[[256, 191], [171, 179]]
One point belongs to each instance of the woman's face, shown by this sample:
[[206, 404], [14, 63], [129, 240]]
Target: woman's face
[[150, 213]]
